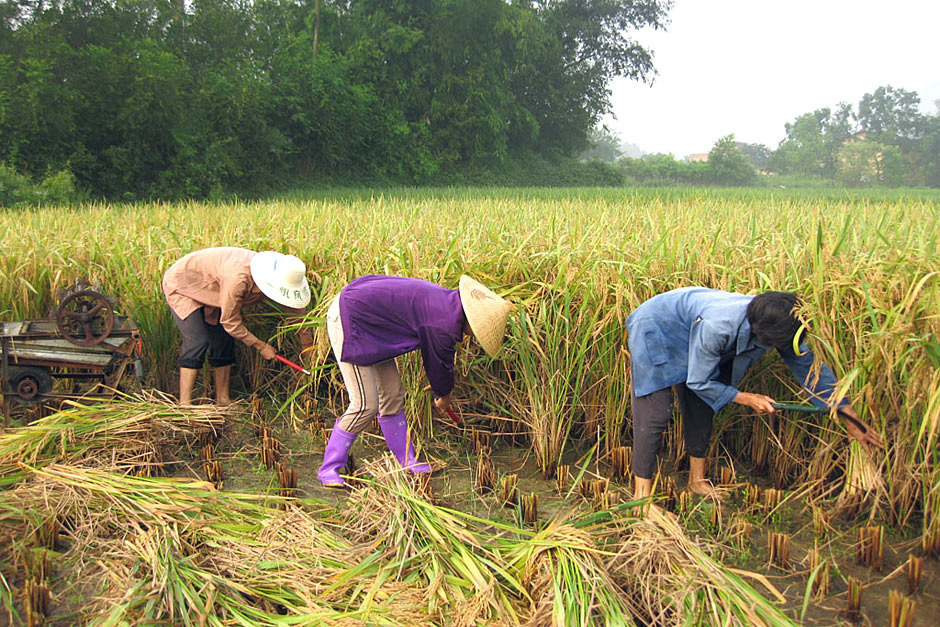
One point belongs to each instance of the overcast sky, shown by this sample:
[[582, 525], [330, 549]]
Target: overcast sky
[[749, 66]]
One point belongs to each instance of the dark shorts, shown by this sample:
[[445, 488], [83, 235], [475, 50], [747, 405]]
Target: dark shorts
[[200, 338]]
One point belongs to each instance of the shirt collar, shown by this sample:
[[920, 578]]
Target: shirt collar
[[746, 339]]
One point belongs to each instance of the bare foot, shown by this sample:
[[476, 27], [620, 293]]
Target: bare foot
[[705, 488], [223, 402]]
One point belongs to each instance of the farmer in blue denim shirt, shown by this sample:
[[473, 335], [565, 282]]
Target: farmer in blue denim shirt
[[699, 342]]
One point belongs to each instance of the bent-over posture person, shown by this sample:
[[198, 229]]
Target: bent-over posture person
[[375, 319], [698, 343], [206, 291]]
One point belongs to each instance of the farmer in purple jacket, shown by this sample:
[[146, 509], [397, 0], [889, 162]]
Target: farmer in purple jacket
[[375, 319], [699, 342]]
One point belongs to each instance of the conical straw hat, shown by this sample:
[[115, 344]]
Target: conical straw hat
[[282, 278], [486, 312]]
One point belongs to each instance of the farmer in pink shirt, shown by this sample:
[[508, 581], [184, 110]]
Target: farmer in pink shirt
[[206, 291]]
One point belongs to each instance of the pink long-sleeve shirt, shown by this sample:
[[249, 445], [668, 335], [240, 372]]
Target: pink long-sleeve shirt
[[218, 280]]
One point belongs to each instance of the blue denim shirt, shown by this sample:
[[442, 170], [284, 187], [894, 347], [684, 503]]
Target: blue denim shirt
[[682, 336]]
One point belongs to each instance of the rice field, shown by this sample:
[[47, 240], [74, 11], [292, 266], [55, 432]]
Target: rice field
[[136, 512]]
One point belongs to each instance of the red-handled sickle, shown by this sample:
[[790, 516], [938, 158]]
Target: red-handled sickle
[[285, 360], [453, 416]]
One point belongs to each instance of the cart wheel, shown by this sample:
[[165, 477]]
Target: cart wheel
[[85, 318], [27, 385]]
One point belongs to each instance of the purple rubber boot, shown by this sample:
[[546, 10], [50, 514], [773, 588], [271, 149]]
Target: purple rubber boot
[[335, 456], [395, 430]]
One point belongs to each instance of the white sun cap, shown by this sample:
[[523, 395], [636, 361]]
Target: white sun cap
[[282, 278]]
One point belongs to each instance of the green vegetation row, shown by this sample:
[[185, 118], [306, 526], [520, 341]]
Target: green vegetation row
[[171, 99], [883, 142]]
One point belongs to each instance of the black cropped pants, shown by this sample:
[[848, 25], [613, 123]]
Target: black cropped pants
[[653, 413], [200, 338]]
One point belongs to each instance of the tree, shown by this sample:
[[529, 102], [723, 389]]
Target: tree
[[727, 166], [867, 163], [930, 148], [590, 42], [812, 141], [605, 146], [892, 116], [758, 155]]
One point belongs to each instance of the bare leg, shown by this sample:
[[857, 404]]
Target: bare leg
[[697, 481], [643, 488], [187, 381], [223, 375]]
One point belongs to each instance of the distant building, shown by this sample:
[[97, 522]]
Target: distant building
[[701, 157]]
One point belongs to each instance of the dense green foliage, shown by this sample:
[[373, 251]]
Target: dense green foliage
[[726, 165], [886, 140], [17, 190], [161, 98]]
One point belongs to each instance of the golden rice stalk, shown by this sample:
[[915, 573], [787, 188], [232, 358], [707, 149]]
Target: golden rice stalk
[[778, 546], [901, 609], [256, 406], [771, 500], [854, 603], [862, 479], [437, 545], [47, 534], [686, 502], [621, 457], [127, 432], [593, 490], [930, 538], [529, 504], [36, 599], [37, 564], [740, 531], [207, 452], [726, 476], [508, 494], [761, 440], [485, 474], [318, 431], [480, 441], [667, 487], [913, 570], [655, 563], [269, 453], [819, 569], [567, 582], [821, 523], [752, 496], [869, 549], [287, 478], [562, 479], [714, 515]]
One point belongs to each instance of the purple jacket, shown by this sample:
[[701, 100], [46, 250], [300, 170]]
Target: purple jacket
[[387, 316]]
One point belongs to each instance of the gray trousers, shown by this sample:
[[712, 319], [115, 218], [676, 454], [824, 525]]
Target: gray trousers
[[372, 390]]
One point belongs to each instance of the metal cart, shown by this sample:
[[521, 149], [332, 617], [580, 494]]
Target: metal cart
[[84, 340]]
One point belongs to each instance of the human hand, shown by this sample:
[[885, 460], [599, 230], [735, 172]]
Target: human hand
[[268, 352], [758, 402], [442, 403], [859, 430]]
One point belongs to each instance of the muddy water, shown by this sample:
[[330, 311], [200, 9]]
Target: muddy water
[[453, 484]]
